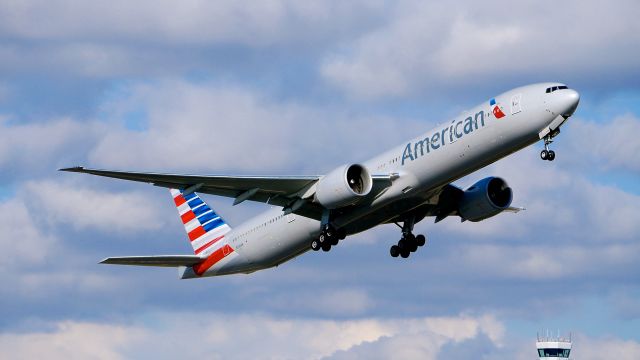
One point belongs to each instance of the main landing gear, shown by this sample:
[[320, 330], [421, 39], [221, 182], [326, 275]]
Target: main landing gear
[[328, 237], [547, 154], [408, 243]]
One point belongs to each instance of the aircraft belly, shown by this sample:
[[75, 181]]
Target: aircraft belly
[[280, 242]]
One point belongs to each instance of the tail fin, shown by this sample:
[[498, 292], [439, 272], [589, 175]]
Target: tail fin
[[203, 226]]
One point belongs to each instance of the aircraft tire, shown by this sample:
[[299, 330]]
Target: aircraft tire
[[394, 251], [421, 240], [330, 232], [544, 154], [402, 244], [405, 253], [551, 155], [413, 246], [322, 238], [326, 247], [315, 245], [334, 240]]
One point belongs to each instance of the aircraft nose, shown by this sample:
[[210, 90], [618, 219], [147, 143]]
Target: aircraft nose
[[569, 100]]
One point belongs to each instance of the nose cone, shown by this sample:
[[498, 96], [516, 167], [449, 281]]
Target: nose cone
[[568, 101]]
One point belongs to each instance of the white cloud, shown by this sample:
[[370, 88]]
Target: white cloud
[[86, 208], [198, 127], [190, 22], [542, 262], [70, 340], [433, 46], [38, 147], [22, 242], [588, 348], [114, 38], [222, 336], [608, 146]]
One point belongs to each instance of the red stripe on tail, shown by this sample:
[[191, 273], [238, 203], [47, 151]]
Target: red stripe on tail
[[196, 233], [179, 200], [212, 259], [188, 216], [205, 246]]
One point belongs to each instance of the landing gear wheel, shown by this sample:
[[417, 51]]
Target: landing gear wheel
[[403, 245], [413, 246], [421, 240], [329, 232], [405, 253], [394, 251], [551, 155], [315, 245], [326, 247], [544, 154], [322, 238], [334, 240]]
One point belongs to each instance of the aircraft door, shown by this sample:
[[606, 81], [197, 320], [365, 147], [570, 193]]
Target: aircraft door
[[516, 104]]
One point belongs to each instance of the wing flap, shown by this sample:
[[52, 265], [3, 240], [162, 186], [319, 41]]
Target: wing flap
[[154, 260]]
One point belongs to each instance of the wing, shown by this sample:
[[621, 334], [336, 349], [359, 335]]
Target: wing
[[155, 260], [443, 203], [293, 193]]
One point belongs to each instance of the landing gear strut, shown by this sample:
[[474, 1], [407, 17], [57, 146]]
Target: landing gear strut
[[408, 243], [547, 154]]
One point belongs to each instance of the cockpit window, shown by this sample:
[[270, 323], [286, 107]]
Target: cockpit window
[[554, 88]]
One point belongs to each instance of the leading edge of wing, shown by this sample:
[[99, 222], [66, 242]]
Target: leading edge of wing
[[224, 185], [165, 177]]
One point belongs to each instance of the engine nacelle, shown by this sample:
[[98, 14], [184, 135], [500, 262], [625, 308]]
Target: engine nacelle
[[484, 199], [343, 186]]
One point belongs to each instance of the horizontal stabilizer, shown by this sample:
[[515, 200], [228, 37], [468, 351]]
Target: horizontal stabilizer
[[154, 260]]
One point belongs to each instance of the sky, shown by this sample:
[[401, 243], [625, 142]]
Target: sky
[[291, 87]]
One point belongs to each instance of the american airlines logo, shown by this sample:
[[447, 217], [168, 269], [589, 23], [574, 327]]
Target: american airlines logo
[[495, 108], [439, 139]]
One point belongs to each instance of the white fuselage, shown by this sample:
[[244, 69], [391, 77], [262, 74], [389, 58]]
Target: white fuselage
[[424, 164]]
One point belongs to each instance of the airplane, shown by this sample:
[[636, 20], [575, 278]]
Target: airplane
[[401, 186]]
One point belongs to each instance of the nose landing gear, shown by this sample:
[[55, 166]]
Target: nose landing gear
[[547, 154]]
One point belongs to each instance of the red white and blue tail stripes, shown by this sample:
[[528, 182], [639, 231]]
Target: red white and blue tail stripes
[[205, 228]]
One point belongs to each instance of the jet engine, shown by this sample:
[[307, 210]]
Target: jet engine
[[484, 199], [343, 186]]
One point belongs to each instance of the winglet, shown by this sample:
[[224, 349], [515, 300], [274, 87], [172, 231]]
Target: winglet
[[73, 169]]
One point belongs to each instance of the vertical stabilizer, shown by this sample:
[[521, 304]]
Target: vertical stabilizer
[[205, 228]]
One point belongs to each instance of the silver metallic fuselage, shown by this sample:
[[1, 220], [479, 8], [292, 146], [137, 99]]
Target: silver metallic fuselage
[[272, 237]]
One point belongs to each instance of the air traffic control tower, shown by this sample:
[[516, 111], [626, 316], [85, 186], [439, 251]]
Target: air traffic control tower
[[557, 348]]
